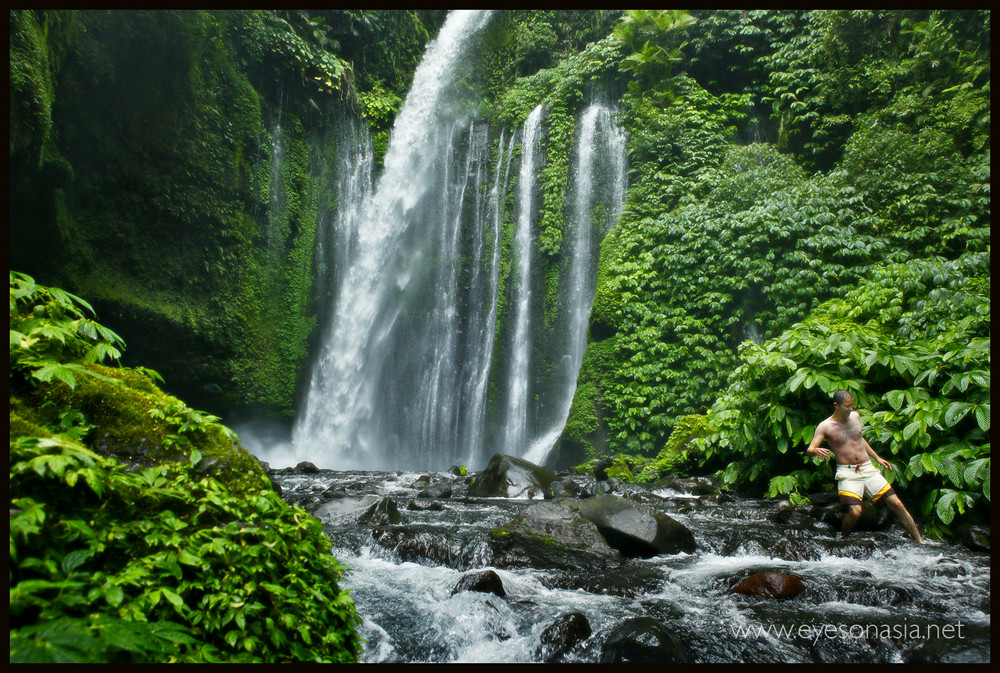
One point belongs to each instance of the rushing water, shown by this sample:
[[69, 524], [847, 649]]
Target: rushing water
[[877, 597], [433, 347], [599, 177], [383, 390]]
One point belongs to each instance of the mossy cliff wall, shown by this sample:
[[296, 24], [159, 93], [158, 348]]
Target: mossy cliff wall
[[171, 167]]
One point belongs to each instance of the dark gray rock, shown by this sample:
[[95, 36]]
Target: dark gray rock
[[511, 477], [975, 537], [382, 513], [422, 543], [634, 529], [551, 535], [483, 581], [305, 467], [437, 491], [561, 636], [643, 640]]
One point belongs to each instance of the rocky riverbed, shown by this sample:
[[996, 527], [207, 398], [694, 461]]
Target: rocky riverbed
[[517, 564]]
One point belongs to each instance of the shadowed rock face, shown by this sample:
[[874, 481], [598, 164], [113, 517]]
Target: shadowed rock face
[[634, 530], [510, 477], [642, 640]]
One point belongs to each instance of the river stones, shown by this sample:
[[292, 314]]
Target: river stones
[[551, 535], [562, 635], [770, 585], [636, 530], [421, 543], [510, 477], [642, 640], [483, 581], [975, 537], [382, 513]]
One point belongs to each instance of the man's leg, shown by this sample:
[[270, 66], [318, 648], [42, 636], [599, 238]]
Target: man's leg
[[850, 519], [893, 502]]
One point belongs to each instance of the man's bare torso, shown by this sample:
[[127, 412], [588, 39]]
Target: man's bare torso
[[845, 439]]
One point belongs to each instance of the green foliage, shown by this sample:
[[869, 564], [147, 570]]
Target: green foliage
[[673, 457], [51, 337], [301, 43], [918, 369], [162, 565], [653, 38], [182, 553]]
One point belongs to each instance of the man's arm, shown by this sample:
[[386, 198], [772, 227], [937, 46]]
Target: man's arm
[[874, 456], [814, 446]]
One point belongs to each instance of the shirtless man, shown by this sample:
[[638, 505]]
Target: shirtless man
[[856, 475]]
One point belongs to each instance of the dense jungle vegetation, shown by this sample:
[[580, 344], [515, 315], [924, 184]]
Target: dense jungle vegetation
[[808, 210]]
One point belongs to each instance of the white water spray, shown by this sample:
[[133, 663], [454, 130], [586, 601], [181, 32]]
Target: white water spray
[[365, 386]]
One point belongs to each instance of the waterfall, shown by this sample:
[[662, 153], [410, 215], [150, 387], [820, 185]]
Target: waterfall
[[599, 176], [516, 425], [484, 332], [414, 369], [396, 312]]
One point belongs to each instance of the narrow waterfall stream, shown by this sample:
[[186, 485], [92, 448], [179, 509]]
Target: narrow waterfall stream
[[877, 597], [598, 176], [516, 419]]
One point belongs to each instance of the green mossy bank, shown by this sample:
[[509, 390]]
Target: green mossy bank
[[140, 530]]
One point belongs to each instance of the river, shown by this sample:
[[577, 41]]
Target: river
[[876, 597]]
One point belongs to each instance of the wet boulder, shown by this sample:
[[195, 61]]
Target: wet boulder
[[483, 581], [561, 636], [975, 537], [770, 585], [634, 529], [305, 467], [437, 491], [511, 477], [382, 513], [425, 506], [551, 534], [422, 543], [643, 640]]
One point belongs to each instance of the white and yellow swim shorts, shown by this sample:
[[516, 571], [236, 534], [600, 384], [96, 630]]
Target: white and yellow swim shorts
[[856, 481]]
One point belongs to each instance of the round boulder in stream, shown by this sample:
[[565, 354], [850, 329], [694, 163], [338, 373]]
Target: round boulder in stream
[[483, 581], [636, 530], [770, 585], [510, 477]]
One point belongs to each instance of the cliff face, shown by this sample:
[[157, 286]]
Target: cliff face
[[168, 165]]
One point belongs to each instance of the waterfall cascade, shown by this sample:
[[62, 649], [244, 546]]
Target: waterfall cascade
[[516, 420], [413, 371]]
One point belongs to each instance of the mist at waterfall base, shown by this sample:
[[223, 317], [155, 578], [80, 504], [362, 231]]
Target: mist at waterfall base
[[413, 371]]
